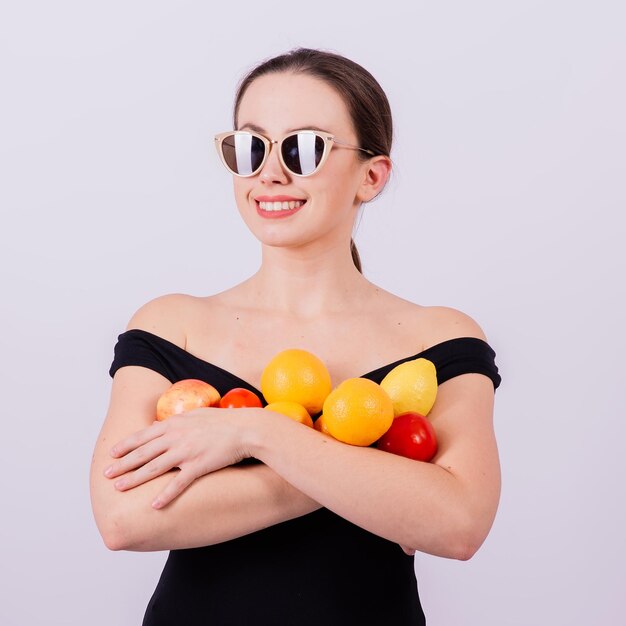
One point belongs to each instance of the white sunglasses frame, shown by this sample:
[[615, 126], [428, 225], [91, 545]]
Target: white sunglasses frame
[[329, 141]]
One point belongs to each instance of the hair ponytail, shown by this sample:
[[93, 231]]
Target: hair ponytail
[[355, 256]]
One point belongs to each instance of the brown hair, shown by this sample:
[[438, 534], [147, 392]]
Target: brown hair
[[365, 99]]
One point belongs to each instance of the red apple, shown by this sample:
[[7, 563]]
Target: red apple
[[186, 395]]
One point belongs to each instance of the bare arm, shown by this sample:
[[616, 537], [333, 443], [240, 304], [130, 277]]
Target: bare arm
[[219, 506], [445, 508]]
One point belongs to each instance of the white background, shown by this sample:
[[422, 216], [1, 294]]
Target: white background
[[507, 202]]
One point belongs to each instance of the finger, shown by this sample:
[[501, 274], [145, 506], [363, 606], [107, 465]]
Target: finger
[[137, 439], [176, 486], [138, 457], [159, 465]]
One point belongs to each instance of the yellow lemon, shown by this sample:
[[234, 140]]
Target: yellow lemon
[[293, 410], [296, 375], [412, 386], [358, 411]]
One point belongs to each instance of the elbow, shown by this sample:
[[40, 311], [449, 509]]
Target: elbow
[[112, 543], [114, 530], [113, 536], [117, 517], [466, 549], [468, 539], [114, 540], [459, 540], [459, 546]]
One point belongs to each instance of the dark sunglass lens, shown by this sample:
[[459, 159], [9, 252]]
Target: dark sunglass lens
[[319, 149], [228, 152], [302, 152], [243, 153], [257, 153]]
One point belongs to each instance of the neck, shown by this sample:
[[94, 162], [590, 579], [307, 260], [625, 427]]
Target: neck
[[305, 283]]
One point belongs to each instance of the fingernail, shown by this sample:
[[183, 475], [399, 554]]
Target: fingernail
[[120, 484], [156, 504], [108, 471]]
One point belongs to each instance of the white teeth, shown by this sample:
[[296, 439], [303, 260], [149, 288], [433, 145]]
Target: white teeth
[[280, 206]]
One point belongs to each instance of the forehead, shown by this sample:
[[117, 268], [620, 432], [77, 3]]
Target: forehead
[[281, 102]]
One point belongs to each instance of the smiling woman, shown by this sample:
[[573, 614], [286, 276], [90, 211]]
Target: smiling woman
[[267, 521], [326, 167]]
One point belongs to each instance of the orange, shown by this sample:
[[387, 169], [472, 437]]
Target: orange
[[320, 425], [296, 375], [293, 410], [358, 411]]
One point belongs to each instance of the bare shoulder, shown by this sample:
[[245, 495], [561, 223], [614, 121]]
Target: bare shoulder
[[167, 316], [429, 325], [445, 323]]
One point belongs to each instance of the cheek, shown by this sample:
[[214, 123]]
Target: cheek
[[241, 192], [339, 190]]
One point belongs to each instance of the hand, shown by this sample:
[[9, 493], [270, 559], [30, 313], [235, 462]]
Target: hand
[[198, 442]]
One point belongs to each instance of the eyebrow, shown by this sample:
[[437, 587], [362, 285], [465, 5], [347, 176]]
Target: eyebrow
[[258, 129]]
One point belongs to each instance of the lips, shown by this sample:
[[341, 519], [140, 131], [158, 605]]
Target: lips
[[280, 206], [275, 206]]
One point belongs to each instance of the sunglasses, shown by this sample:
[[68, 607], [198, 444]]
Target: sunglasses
[[301, 153]]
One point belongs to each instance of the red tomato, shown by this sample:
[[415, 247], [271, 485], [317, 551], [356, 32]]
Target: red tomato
[[410, 435], [238, 398]]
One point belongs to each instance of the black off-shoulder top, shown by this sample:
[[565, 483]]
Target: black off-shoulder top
[[315, 569]]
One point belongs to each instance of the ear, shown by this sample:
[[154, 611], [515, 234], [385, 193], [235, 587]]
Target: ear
[[376, 174]]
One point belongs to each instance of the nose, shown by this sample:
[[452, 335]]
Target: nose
[[273, 171]]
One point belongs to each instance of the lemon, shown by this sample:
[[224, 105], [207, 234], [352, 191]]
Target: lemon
[[358, 412], [296, 375], [412, 386]]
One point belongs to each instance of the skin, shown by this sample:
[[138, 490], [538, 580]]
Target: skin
[[141, 502]]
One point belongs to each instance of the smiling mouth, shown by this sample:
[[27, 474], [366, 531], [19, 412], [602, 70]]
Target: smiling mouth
[[281, 206]]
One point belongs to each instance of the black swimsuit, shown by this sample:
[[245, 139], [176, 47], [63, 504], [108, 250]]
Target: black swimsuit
[[315, 569]]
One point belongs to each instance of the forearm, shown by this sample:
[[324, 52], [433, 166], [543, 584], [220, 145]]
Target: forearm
[[217, 507], [419, 505], [444, 508]]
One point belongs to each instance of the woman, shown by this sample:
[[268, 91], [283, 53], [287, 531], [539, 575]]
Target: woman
[[315, 529]]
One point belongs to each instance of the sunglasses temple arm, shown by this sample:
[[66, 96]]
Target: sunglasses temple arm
[[348, 145]]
